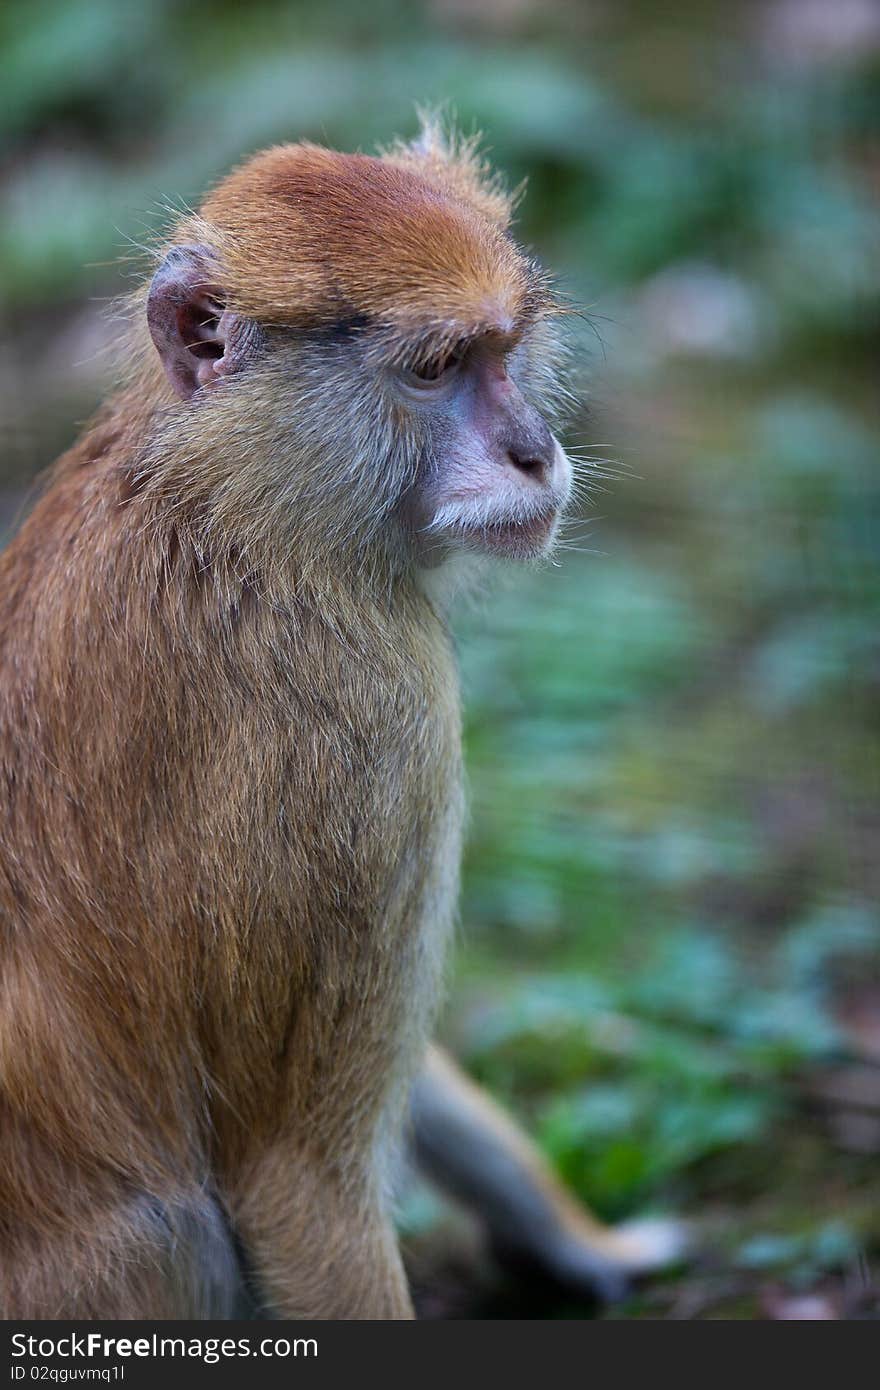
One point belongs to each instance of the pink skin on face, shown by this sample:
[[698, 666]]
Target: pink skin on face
[[502, 479]]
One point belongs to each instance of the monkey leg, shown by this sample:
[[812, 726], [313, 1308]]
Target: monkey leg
[[314, 1248], [139, 1259], [473, 1149]]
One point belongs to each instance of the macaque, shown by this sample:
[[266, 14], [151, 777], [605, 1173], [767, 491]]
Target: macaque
[[229, 736]]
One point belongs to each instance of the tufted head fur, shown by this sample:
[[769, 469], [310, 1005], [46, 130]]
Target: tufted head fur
[[309, 237]]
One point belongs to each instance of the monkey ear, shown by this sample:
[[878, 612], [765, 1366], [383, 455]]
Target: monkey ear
[[198, 339]]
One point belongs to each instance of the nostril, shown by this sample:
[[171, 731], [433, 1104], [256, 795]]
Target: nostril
[[530, 463]]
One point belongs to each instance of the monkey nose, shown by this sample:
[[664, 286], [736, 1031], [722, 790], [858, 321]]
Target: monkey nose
[[531, 450]]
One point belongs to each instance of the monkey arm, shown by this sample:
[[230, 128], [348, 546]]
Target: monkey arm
[[472, 1148]]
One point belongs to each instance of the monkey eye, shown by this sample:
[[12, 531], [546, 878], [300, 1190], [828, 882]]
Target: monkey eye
[[436, 371]]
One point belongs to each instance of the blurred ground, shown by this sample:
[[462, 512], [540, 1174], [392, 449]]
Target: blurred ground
[[670, 961]]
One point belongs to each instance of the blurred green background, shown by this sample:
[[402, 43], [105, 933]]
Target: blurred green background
[[670, 959]]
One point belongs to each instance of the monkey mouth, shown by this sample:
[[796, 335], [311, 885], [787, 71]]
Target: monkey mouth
[[517, 532], [516, 537]]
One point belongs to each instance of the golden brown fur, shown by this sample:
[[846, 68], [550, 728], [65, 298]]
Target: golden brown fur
[[229, 759], [206, 870]]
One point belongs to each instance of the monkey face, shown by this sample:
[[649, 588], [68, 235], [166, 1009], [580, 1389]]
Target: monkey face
[[492, 477]]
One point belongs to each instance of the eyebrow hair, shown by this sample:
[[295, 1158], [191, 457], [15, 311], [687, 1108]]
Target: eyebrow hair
[[428, 339], [444, 338], [347, 326]]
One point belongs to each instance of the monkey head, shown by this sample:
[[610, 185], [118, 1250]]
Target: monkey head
[[362, 358]]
